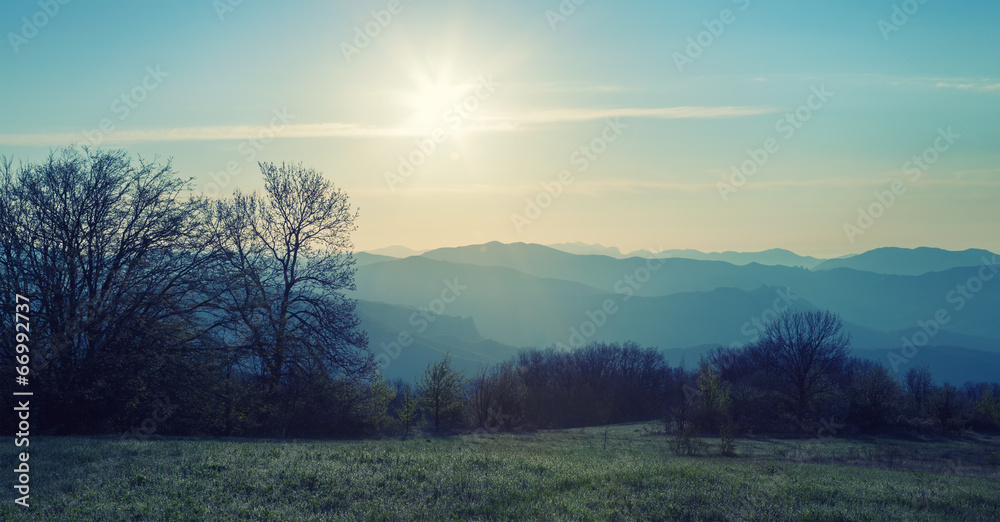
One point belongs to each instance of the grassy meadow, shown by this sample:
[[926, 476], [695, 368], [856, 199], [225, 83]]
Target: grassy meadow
[[622, 473]]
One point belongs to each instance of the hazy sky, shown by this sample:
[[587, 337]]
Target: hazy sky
[[842, 101]]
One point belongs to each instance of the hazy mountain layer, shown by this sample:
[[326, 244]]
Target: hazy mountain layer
[[909, 261], [529, 295]]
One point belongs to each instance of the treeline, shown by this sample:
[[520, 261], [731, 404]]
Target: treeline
[[152, 310], [155, 311], [732, 392]]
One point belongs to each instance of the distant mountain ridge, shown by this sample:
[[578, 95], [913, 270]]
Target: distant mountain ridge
[[774, 256], [909, 261], [884, 260], [397, 251], [500, 297]]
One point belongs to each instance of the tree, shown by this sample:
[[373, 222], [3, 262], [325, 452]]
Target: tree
[[407, 413], [803, 350], [287, 265], [712, 400], [949, 408], [713, 405], [875, 397], [442, 391], [919, 387], [987, 413], [496, 397], [111, 257]]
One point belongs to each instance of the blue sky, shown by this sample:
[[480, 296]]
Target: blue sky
[[263, 69]]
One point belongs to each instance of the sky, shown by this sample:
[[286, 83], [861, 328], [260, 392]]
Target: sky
[[825, 128]]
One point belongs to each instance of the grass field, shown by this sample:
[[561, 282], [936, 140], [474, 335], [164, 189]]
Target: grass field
[[572, 474]]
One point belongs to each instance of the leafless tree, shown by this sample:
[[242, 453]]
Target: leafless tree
[[919, 387], [108, 250], [288, 264], [803, 350], [496, 397]]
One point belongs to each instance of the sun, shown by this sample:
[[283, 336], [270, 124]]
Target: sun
[[430, 101]]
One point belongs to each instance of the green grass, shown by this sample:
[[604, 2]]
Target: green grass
[[541, 476]]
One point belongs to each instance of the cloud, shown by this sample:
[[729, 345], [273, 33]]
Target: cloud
[[498, 122], [588, 114], [215, 133], [565, 87], [959, 83], [974, 86]]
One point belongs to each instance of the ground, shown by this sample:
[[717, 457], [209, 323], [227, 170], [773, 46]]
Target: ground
[[626, 472]]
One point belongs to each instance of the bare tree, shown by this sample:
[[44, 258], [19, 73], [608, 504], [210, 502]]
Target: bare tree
[[803, 350], [496, 397], [288, 264], [108, 252], [875, 397], [919, 386]]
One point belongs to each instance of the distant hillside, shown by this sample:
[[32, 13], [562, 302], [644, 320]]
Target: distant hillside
[[520, 295], [947, 363], [521, 310], [909, 261], [397, 251], [774, 256], [588, 250], [364, 258], [606, 273], [428, 341]]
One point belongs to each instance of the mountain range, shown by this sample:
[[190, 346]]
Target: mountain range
[[482, 303]]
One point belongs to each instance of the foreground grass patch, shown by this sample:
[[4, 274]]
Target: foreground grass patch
[[550, 475]]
